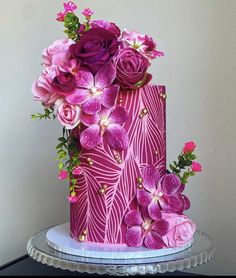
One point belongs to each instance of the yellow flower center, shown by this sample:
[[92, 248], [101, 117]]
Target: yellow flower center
[[156, 197], [104, 123]]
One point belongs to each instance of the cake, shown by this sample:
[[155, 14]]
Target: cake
[[113, 146]]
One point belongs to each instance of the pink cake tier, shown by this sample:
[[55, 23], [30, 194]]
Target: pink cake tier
[[108, 185]]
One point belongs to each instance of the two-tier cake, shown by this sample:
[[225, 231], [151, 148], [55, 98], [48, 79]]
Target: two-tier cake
[[113, 145]]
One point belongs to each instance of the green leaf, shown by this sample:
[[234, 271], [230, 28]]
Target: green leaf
[[60, 165], [188, 162]]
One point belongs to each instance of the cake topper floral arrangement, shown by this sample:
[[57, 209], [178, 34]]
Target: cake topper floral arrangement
[[79, 85]]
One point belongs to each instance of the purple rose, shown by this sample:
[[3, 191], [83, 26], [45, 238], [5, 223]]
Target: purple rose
[[64, 82], [131, 67], [95, 48], [110, 26]]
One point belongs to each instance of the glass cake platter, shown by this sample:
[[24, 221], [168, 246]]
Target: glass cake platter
[[198, 252]]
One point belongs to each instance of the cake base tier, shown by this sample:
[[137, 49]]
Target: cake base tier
[[59, 239]]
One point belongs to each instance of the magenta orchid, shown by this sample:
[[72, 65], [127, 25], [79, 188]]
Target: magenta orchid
[[161, 193], [142, 230], [143, 43], [93, 92], [106, 124]]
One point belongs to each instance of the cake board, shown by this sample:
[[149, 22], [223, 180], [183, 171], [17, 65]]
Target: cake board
[[201, 251]]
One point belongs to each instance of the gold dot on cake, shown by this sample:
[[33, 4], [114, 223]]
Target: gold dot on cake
[[117, 156], [82, 238], [90, 162], [104, 186], [163, 96], [119, 161], [120, 100], [140, 186], [85, 232], [141, 115], [156, 152], [145, 111], [102, 191], [139, 180]]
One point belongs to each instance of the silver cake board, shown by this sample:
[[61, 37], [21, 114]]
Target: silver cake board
[[59, 239]]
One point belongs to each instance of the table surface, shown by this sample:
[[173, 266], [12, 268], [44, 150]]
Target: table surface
[[28, 267]]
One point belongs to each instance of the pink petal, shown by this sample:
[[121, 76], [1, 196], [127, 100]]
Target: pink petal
[[161, 227], [187, 203], [151, 177], [116, 137], [85, 79], [133, 236], [133, 218], [119, 116], [170, 184], [89, 120], [154, 210], [78, 97], [144, 198], [105, 76], [91, 106], [90, 137], [145, 214], [175, 203], [109, 95], [181, 188], [153, 241]]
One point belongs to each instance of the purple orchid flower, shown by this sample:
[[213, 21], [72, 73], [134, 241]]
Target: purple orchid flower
[[93, 92], [106, 124], [142, 230], [161, 193]]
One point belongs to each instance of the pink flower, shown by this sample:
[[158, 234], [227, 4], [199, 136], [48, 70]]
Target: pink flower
[[57, 53], [143, 43], [161, 193], [61, 16], [77, 170], [181, 230], [142, 230], [70, 6], [196, 167], [189, 147], [42, 88], [131, 68], [73, 199], [87, 12], [93, 92], [110, 26], [106, 124], [63, 175], [68, 115]]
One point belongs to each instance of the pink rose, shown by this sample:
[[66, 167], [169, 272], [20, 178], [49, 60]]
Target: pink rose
[[63, 175], [131, 68], [142, 43], [57, 53], [181, 229], [68, 115], [189, 147], [42, 88], [110, 26], [196, 167]]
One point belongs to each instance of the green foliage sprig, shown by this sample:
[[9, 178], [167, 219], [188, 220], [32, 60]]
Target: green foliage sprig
[[72, 24], [68, 157], [184, 162], [48, 114]]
